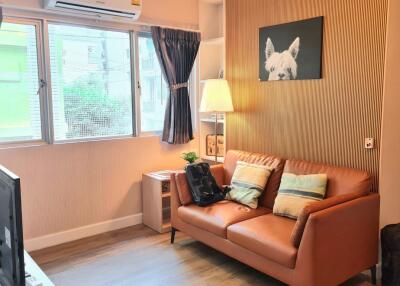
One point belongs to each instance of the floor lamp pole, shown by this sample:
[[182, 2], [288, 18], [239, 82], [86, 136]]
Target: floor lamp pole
[[216, 137]]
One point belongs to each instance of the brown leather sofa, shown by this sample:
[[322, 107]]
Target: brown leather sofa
[[331, 241]]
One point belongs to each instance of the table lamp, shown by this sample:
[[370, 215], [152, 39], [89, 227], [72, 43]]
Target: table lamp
[[216, 99]]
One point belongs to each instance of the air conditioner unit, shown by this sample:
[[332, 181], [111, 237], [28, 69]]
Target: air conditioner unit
[[104, 9]]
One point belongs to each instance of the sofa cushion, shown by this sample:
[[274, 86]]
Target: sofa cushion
[[297, 191], [340, 180], [274, 162], [248, 183], [217, 217], [268, 236], [182, 187]]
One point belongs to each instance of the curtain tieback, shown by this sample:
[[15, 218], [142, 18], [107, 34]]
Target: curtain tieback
[[177, 86]]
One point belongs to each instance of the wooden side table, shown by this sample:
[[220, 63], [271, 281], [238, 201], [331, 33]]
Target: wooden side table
[[157, 200]]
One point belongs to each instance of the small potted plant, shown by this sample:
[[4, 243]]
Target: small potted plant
[[190, 157]]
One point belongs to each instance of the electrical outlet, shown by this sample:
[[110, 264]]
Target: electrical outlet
[[369, 143]]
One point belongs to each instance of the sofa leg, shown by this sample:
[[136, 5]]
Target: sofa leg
[[373, 274], [173, 230]]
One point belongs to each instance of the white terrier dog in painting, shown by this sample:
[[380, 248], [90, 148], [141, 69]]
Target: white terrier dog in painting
[[282, 66]]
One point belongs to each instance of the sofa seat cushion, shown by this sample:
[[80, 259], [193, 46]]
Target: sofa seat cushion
[[217, 217], [267, 236]]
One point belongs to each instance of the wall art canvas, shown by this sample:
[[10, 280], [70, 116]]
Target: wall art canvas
[[291, 51]]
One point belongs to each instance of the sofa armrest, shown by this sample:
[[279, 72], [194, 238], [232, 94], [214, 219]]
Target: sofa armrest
[[339, 242], [315, 207], [175, 201], [182, 186]]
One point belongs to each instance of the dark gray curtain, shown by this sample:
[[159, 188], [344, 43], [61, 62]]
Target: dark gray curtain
[[176, 51]]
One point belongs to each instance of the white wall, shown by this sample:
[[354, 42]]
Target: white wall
[[68, 186], [72, 185], [210, 20]]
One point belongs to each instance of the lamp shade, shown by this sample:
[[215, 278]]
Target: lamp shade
[[216, 96]]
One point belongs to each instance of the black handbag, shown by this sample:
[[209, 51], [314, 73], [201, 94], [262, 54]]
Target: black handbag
[[203, 187]]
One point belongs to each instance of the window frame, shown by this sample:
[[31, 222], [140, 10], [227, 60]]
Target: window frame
[[192, 87], [133, 91], [144, 34], [41, 22], [42, 90]]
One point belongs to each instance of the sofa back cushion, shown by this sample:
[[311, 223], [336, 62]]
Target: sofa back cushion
[[183, 188], [274, 162], [341, 180]]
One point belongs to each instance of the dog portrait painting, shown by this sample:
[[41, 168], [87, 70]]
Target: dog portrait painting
[[291, 51]]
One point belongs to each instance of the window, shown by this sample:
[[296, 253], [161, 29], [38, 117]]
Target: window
[[65, 83], [91, 82], [153, 88], [20, 116]]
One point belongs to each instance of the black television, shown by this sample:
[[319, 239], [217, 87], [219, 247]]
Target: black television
[[12, 266]]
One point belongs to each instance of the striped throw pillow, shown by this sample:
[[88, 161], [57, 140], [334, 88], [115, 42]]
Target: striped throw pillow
[[296, 192], [248, 183]]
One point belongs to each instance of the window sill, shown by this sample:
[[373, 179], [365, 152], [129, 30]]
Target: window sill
[[39, 143], [89, 140], [102, 139], [24, 144], [151, 134]]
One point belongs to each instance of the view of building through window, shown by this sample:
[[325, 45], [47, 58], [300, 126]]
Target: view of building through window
[[153, 88], [19, 77], [91, 82]]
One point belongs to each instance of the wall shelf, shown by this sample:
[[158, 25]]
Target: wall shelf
[[166, 195], [210, 120], [211, 64], [214, 41], [212, 158]]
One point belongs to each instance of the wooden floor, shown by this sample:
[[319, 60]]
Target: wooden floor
[[140, 256]]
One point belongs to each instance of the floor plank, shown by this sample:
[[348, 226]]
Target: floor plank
[[139, 256]]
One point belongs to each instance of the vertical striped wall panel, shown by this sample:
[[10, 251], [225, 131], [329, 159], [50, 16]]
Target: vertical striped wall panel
[[321, 120]]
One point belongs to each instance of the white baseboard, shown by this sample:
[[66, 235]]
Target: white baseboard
[[81, 232]]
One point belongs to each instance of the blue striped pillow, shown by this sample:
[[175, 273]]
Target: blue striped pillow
[[297, 191]]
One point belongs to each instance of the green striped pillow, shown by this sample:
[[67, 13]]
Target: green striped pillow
[[248, 183], [296, 192]]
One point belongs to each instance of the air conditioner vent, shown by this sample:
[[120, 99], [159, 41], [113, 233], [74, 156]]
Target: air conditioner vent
[[107, 9], [79, 7]]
